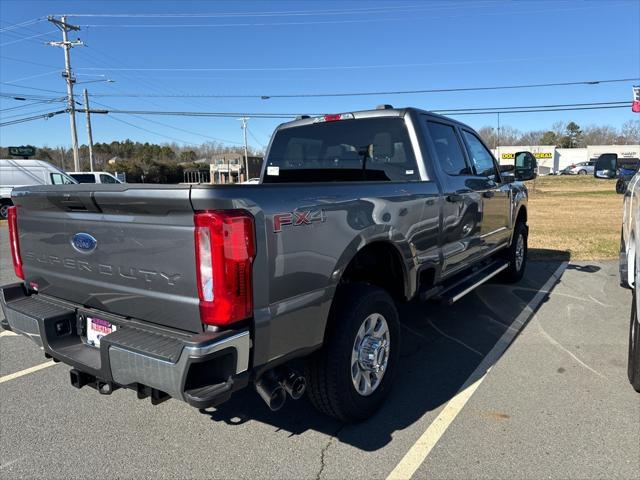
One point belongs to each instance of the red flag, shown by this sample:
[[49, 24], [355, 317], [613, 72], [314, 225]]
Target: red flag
[[635, 106]]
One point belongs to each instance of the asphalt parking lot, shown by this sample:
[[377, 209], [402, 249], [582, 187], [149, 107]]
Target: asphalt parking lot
[[476, 398]]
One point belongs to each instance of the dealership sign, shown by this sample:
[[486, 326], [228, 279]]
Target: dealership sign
[[510, 156], [23, 151], [635, 106]]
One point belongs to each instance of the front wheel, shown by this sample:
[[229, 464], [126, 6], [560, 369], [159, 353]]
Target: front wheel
[[620, 186], [516, 254], [582, 172], [350, 377]]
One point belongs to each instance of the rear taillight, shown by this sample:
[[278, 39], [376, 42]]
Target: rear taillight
[[14, 241], [225, 249]]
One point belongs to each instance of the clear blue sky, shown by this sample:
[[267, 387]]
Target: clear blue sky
[[304, 47]]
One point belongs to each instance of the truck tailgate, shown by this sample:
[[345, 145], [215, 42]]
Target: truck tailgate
[[127, 250]]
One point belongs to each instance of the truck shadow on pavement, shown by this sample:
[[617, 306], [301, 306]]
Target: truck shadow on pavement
[[441, 348]]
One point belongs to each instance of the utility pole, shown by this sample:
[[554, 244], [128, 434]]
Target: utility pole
[[89, 135], [246, 154], [67, 45]]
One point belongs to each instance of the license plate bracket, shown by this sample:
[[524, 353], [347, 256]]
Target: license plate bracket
[[98, 328]]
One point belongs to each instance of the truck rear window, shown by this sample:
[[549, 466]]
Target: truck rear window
[[371, 149]]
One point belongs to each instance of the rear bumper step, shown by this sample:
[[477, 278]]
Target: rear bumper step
[[201, 369]]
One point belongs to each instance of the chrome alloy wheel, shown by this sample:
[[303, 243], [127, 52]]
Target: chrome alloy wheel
[[519, 252], [370, 354]]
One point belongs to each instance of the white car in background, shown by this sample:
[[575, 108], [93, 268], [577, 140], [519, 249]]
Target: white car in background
[[582, 168], [20, 173], [94, 177], [607, 167]]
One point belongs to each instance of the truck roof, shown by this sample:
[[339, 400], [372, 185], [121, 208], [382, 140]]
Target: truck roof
[[381, 111]]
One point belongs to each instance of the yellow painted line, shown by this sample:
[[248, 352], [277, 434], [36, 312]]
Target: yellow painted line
[[26, 371], [8, 333], [420, 450]]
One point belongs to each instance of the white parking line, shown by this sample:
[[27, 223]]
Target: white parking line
[[26, 371], [418, 453], [8, 333]]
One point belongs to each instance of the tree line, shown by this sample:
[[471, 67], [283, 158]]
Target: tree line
[[140, 162], [165, 163], [564, 135]]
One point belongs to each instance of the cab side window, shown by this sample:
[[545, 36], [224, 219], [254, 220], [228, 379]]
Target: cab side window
[[480, 157], [107, 179], [448, 149]]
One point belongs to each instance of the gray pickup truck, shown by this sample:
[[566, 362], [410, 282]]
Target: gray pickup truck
[[291, 285]]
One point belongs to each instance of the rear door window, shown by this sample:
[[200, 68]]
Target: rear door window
[[107, 179], [370, 149], [84, 177], [448, 149]]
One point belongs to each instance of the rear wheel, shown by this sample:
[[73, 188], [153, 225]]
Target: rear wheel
[[4, 209], [633, 370], [351, 375], [516, 254], [620, 186]]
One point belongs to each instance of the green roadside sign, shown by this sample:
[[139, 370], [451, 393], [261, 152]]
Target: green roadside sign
[[24, 151]]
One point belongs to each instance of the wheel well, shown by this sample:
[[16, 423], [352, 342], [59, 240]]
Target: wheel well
[[522, 215], [379, 264]]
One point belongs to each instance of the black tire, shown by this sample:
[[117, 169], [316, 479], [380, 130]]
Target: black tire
[[633, 369], [582, 172], [620, 186], [4, 210], [515, 270], [328, 371]]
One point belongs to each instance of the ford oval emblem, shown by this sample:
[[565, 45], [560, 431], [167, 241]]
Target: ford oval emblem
[[84, 243]]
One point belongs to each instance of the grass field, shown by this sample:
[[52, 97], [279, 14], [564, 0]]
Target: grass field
[[571, 218], [574, 217]]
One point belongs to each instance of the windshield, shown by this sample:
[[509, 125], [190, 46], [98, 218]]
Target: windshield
[[372, 149]]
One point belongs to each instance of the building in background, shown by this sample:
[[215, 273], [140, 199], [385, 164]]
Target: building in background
[[551, 159]]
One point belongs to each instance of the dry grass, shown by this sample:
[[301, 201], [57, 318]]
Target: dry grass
[[575, 218]]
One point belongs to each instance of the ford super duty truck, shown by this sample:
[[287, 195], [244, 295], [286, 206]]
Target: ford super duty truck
[[196, 291]]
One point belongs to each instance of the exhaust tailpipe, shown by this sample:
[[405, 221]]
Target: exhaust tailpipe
[[294, 384], [271, 391]]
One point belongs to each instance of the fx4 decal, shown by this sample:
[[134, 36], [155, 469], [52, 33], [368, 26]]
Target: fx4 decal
[[297, 218]]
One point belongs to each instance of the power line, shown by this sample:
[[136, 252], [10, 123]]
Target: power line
[[360, 94], [285, 13], [26, 61], [32, 88], [603, 107], [30, 104], [174, 127], [479, 110], [22, 24], [26, 38], [149, 131], [35, 117]]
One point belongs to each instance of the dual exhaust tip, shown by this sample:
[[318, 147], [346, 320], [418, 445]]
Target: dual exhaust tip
[[275, 385]]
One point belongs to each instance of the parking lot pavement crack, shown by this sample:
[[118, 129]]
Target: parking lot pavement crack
[[559, 346], [324, 450]]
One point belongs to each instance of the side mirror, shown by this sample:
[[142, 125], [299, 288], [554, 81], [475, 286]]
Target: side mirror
[[606, 166], [526, 166]]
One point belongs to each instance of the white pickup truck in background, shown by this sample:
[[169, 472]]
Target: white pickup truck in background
[[607, 166]]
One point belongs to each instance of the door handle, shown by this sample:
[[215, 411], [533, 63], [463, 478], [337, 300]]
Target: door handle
[[488, 194], [454, 198]]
